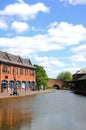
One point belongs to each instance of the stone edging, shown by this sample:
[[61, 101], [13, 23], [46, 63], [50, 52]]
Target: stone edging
[[31, 93]]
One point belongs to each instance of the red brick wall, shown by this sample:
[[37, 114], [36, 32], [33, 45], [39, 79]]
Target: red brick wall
[[9, 75], [59, 83]]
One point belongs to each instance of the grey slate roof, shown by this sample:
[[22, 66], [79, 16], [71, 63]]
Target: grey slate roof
[[82, 78], [15, 59], [82, 71]]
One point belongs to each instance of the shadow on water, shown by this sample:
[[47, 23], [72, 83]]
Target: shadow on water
[[80, 93]]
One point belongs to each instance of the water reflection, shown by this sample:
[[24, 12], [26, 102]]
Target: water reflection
[[13, 115]]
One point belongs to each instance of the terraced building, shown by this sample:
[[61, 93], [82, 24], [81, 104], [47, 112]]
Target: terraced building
[[16, 72]]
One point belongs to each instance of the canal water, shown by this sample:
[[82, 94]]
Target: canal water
[[61, 110]]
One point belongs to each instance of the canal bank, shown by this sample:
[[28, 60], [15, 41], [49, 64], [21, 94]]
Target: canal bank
[[20, 94]]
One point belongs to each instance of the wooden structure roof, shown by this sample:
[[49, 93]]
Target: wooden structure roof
[[82, 71], [82, 78]]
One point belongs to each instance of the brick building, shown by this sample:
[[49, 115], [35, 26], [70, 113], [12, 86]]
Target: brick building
[[16, 71]]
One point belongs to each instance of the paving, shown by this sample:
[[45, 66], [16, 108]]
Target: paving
[[19, 94]]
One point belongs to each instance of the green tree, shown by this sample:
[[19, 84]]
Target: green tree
[[65, 76], [41, 76]]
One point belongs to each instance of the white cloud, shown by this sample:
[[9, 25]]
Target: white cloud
[[79, 49], [32, 43], [50, 64], [24, 10], [37, 29], [74, 2], [49, 61], [21, 1], [79, 54], [56, 38], [67, 34], [20, 26], [78, 58], [3, 25]]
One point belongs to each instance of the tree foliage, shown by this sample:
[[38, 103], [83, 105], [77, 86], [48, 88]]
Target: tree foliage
[[65, 76], [41, 76]]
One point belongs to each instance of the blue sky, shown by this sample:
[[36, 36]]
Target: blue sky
[[52, 33]]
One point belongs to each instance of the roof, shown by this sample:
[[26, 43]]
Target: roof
[[15, 59], [82, 71], [82, 78]]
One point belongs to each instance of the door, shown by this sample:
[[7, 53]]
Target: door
[[24, 85]]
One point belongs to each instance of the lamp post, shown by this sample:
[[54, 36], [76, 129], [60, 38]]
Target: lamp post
[[15, 86]]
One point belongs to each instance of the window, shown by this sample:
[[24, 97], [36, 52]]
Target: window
[[17, 70], [14, 70], [5, 68], [11, 84], [25, 72], [9, 69], [4, 84], [28, 84], [33, 85], [21, 71], [18, 84], [32, 72]]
